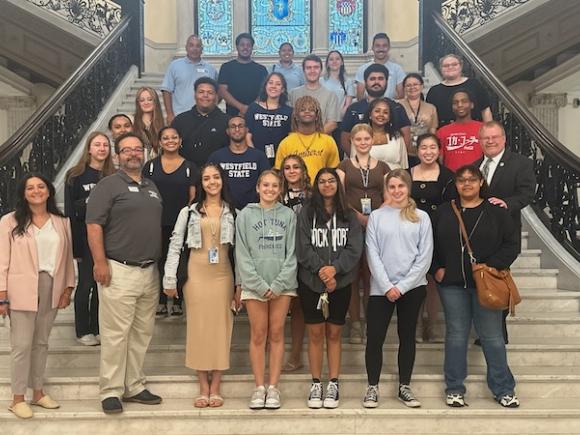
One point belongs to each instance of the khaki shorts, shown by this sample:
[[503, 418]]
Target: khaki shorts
[[249, 295]]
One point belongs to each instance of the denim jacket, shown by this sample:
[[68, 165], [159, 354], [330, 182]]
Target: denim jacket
[[227, 236]]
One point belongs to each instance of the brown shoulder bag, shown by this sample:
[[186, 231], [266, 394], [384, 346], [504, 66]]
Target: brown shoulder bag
[[496, 289]]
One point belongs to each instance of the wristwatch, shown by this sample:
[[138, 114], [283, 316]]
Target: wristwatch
[[4, 302]]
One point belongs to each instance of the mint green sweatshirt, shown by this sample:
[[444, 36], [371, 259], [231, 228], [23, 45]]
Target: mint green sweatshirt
[[265, 254]]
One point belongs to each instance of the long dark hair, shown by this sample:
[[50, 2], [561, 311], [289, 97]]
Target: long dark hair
[[22, 213], [283, 99], [393, 120], [341, 71], [317, 201], [225, 192]]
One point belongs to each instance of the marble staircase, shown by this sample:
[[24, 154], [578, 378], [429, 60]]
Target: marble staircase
[[544, 354]]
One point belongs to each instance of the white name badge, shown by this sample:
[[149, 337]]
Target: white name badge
[[270, 153], [202, 70], [133, 189], [365, 205], [213, 255]]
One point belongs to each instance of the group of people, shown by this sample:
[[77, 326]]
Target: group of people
[[294, 200]]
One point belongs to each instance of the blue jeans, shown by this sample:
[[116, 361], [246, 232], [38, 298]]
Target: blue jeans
[[461, 309]]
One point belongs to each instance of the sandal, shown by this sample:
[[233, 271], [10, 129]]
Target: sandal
[[215, 401], [292, 366], [201, 402]]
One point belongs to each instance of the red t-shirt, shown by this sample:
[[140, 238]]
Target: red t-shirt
[[460, 144]]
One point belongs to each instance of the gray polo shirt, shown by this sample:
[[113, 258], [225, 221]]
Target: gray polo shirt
[[130, 214], [327, 100]]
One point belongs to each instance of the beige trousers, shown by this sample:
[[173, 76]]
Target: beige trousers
[[29, 332], [126, 322]]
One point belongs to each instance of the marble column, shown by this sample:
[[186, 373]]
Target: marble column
[[376, 21], [15, 110], [185, 25], [545, 107], [319, 43]]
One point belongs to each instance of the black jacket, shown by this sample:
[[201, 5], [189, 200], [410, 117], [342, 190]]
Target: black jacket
[[514, 182], [316, 246], [494, 241]]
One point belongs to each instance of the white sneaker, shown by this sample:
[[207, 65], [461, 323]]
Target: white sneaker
[[258, 398], [272, 398], [88, 340], [331, 398], [315, 396]]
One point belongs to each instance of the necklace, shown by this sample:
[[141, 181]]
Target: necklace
[[307, 148]]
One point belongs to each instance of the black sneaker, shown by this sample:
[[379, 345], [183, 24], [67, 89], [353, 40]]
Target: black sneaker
[[161, 310], [455, 400], [176, 310], [407, 397], [371, 399], [508, 401], [331, 398], [112, 405], [315, 396], [145, 397]]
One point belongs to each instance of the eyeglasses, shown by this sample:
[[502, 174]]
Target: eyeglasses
[[328, 181], [131, 150], [237, 126], [470, 180], [450, 65]]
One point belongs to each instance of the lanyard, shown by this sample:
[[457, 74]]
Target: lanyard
[[364, 173], [416, 115]]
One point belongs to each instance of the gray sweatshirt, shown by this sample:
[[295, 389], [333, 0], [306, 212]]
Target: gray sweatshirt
[[265, 242], [399, 252]]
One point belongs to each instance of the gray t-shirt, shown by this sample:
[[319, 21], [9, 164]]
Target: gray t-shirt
[[130, 214], [327, 100]]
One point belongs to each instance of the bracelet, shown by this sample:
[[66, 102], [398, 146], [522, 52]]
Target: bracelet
[[4, 302]]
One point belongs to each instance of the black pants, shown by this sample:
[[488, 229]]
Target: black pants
[[86, 299], [166, 235], [379, 313]]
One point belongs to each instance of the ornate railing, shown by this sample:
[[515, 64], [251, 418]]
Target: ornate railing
[[95, 16], [464, 15], [557, 168], [46, 140]]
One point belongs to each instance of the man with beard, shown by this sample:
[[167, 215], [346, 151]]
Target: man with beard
[[203, 128], [240, 79], [242, 165], [124, 233], [376, 77], [307, 140]]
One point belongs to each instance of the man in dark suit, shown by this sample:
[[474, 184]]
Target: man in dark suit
[[510, 177]]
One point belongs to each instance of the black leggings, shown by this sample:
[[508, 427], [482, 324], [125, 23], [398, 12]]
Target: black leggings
[[379, 313], [86, 299]]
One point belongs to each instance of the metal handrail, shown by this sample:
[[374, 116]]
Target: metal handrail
[[22, 137], [547, 142]]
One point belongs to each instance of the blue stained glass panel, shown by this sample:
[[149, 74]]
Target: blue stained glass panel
[[345, 26], [278, 21], [215, 25]]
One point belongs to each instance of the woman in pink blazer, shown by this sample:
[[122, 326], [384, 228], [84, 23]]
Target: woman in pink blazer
[[36, 279]]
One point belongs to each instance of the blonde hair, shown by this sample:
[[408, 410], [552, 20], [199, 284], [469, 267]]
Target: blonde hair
[[357, 129], [300, 104], [409, 212], [85, 160], [304, 178]]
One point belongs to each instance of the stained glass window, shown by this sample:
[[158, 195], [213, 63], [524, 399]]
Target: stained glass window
[[276, 21], [215, 25], [346, 26]]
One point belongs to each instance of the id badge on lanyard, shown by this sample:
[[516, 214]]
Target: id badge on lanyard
[[365, 205], [213, 255]]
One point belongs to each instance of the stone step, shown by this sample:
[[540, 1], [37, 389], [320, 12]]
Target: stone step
[[427, 381], [178, 416], [544, 353]]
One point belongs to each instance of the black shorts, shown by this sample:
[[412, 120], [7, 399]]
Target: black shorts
[[339, 301]]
